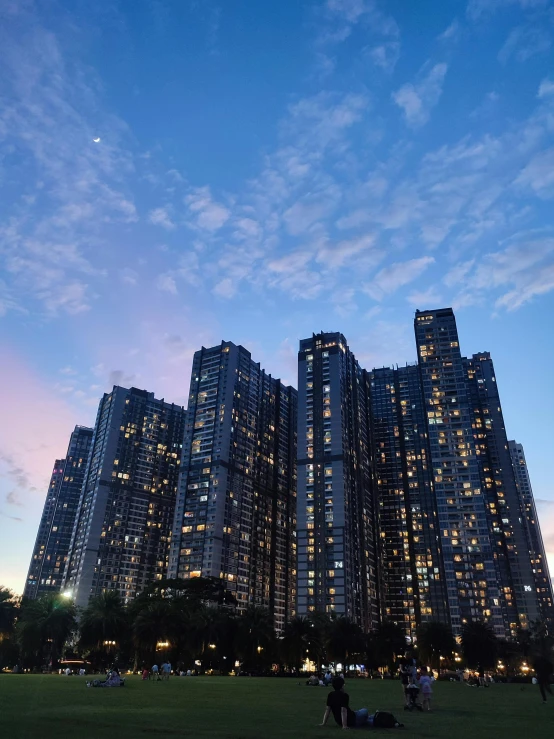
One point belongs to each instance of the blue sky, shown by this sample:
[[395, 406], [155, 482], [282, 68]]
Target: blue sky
[[263, 170]]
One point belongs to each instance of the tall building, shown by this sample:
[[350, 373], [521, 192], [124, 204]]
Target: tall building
[[542, 582], [58, 517], [518, 597], [235, 514], [473, 589], [336, 508], [412, 584], [120, 540]]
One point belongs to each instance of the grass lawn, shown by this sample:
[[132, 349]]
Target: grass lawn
[[240, 708]]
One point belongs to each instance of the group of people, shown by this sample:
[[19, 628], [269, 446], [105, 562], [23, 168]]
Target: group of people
[[323, 681], [414, 682], [157, 673], [113, 680]]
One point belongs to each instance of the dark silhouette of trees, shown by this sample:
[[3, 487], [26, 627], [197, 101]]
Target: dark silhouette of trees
[[43, 627], [435, 640], [479, 646]]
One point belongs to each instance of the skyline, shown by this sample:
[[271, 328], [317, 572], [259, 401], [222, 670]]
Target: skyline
[[317, 165]]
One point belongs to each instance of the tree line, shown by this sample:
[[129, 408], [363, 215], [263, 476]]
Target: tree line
[[195, 624]]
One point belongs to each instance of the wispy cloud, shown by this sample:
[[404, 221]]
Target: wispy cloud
[[391, 278], [207, 214], [451, 32], [477, 9], [161, 217], [525, 42], [48, 105], [546, 88], [417, 99], [166, 283]]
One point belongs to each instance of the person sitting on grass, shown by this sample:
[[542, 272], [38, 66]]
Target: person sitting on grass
[[338, 704], [113, 680]]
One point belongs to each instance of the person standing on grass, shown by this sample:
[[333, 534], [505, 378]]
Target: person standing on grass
[[155, 672], [425, 683], [543, 669], [166, 670], [405, 675]]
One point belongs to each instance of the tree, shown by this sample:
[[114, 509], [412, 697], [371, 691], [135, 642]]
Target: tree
[[153, 624], [104, 625], [8, 612], [510, 654], [435, 640], [296, 641], [255, 635], [344, 640], [390, 641], [479, 646], [43, 627]]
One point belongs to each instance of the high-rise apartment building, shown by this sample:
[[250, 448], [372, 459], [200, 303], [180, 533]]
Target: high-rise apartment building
[[121, 536], [542, 583], [336, 507], [473, 589], [58, 517], [518, 597], [236, 508], [412, 584]]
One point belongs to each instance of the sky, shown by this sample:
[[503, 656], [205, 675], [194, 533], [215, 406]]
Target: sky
[[178, 172]]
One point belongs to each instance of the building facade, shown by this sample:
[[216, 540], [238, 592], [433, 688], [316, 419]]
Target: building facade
[[51, 549], [518, 598], [336, 507], [412, 583], [121, 535], [473, 589], [535, 547], [236, 510]]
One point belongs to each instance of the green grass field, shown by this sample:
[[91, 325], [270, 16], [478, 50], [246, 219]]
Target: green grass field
[[240, 708]]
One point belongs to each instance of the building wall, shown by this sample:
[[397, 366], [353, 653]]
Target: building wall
[[412, 582], [471, 574], [235, 515], [60, 509], [121, 536], [514, 571], [534, 543], [335, 511]]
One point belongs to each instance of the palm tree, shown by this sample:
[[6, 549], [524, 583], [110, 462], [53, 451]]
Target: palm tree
[[344, 640], [479, 645], [255, 634], [296, 641], [155, 623], [435, 640], [44, 626], [390, 641], [104, 623]]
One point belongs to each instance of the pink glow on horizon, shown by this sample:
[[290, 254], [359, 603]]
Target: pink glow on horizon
[[35, 432]]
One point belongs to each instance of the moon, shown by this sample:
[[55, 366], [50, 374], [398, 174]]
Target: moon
[[96, 140]]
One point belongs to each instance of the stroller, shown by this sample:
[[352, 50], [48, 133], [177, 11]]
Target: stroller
[[412, 691]]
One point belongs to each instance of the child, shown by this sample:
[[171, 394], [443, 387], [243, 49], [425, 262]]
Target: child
[[425, 685]]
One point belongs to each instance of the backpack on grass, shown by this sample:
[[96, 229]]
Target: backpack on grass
[[384, 720]]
